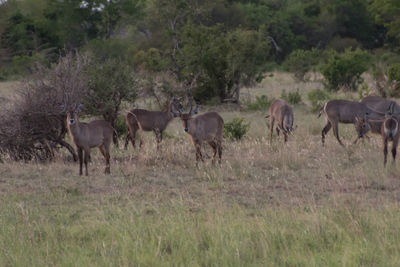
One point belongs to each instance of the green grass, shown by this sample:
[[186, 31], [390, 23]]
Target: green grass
[[73, 229]]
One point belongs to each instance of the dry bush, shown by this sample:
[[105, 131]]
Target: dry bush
[[33, 126]]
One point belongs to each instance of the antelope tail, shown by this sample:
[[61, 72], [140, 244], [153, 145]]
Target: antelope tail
[[266, 116], [115, 137], [320, 111], [138, 122]]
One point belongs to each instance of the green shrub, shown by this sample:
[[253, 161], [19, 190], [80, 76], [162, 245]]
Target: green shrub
[[120, 126], [299, 62], [344, 70], [236, 128], [394, 72], [262, 103], [318, 98], [364, 91], [293, 98]]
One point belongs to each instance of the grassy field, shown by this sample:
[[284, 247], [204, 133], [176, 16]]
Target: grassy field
[[267, 204]]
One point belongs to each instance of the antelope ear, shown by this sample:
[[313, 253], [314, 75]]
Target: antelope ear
[[357, 118], [79, 108]]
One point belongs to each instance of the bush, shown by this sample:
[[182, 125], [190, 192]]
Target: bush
[[34, 125], [394, 72], [236, 128], [301, 61], [293, 98], [120, 126], [318, 98], [262, 103], [344, 70]]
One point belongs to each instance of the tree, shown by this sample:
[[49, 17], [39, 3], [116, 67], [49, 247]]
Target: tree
[[387, 12]]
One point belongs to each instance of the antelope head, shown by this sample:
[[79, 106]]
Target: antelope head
[[176, 107], [72, 114], [188, 116], [362, 126]]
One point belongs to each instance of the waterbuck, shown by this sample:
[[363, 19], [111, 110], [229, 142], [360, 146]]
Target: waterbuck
[[344, 111], [156, 121], [388, 128], [378, 104], [98, 133], [206, 127], [282, 113]]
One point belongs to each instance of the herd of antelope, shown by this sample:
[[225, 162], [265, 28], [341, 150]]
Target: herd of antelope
[[372, 113]]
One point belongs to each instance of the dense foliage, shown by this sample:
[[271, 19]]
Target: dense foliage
[[216, 46]]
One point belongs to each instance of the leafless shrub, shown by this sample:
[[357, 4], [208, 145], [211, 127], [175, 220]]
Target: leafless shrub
[[33, 126]]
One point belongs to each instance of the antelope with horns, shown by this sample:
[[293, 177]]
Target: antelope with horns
[[282, 113], [206, 127], [146, 120], [388, 128], [344, 111], [98, 133]]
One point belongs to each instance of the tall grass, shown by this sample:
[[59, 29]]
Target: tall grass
[[72, 230]]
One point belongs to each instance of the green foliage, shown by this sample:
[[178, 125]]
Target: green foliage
[[387, 13], [110, 83], [293, 98], [236, 129], [120, 126], [364, 91], [394, 72], [318, 98], [344, 70], [262, 103], [301, 61]]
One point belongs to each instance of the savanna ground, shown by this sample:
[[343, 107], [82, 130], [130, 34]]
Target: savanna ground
[[298, 204]]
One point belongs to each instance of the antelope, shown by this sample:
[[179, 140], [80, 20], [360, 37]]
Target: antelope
[[343, 111], [283, 114], [388, 128], [206, 127], [98, 133], [156, 121], [378, 104]]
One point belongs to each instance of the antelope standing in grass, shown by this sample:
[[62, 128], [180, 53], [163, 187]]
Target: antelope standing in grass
[[206, 127], [98, 133], [282, 113], [388, 128], [146, 120], [344, 111]]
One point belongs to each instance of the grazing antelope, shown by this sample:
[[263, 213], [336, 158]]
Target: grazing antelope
[[146, 120], [206, 127], [282, 113], [378, 104], [388, 128], [98, 133], [344, 111]]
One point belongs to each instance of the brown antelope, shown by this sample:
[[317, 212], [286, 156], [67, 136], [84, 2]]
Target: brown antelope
[[98, 133], [146, 120], [344, 111], [282, 113], [206, 127], [379, 104], [388, 128]]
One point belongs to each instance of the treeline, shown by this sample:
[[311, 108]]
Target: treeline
[[211, 47]]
